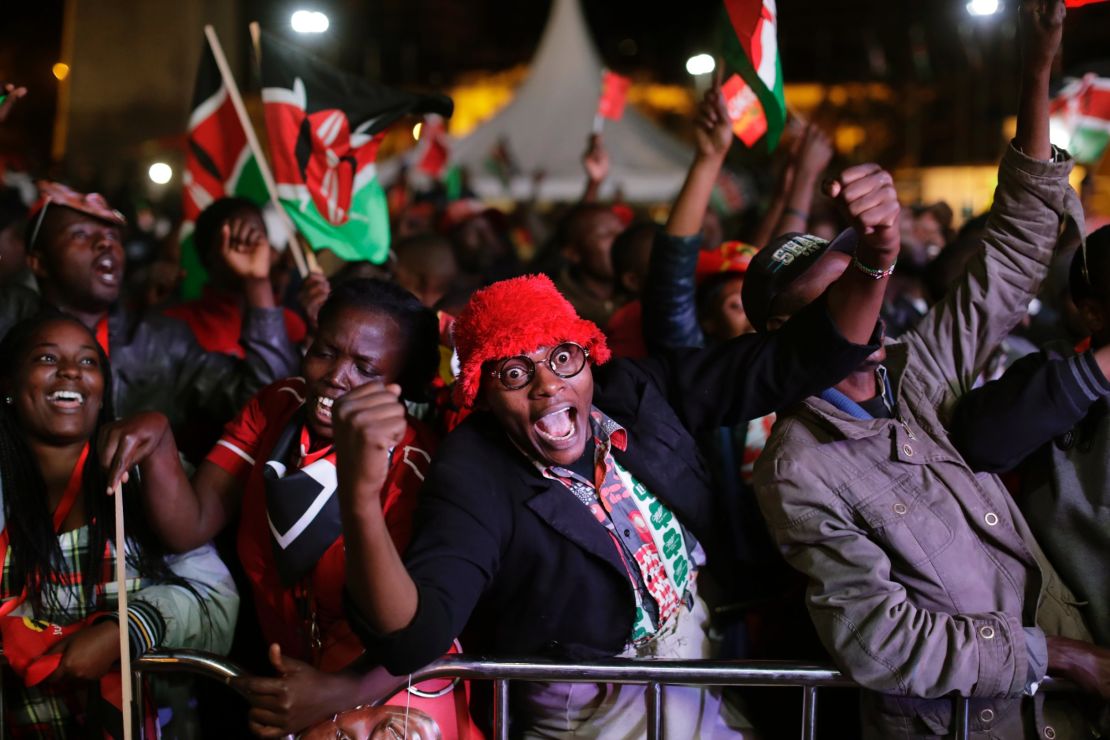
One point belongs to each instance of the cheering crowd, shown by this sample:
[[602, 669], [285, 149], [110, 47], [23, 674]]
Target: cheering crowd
[[644, 441]]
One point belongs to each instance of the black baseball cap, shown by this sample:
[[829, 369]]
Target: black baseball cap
[[780, 263]]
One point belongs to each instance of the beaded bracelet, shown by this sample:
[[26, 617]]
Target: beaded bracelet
[[871, 272]]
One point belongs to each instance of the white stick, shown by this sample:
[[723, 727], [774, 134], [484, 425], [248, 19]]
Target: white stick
[[121, 587], [252, 142], [599, 123]]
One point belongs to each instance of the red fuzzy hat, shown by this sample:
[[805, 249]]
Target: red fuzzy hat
[[514, 317]]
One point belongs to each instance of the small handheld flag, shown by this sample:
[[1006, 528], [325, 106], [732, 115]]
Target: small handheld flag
[[751, 48], [744, 110], [1082, 111]]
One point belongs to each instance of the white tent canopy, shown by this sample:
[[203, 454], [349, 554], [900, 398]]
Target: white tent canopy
[[548, 122]]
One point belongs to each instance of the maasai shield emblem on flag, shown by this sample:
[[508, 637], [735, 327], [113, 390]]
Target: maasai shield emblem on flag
[[1082, 112], [325, 127], [218, 163], [751, 48]]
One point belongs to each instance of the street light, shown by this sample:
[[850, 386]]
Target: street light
[[982, 7], [160, 173], [700, 64], [309, 21]]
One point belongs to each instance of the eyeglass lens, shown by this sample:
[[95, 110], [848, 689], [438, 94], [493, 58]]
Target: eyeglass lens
[[565, 360]]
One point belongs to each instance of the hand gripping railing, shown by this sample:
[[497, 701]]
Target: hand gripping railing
[[651, 673]]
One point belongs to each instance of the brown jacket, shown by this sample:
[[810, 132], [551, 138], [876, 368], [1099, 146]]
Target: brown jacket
[[922, 574]]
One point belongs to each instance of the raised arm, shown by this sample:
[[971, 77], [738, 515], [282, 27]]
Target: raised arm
[[369, 421], [1033, 199], [1039, 398], [669, 299], [809, 162], [595, 161], [219, 383]]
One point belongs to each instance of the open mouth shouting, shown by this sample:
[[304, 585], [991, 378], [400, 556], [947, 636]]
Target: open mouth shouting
[[557, 427], [106, 269]]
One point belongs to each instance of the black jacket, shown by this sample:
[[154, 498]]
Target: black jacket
[[157, 364], [500, 547]]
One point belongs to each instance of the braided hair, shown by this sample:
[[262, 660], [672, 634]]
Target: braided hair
[[36, 556]]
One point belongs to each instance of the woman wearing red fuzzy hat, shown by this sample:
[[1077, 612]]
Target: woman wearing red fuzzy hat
[[568, 517]]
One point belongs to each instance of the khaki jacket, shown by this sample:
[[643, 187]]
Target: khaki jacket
[[922, 574]]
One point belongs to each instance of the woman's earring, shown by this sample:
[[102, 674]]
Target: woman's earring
[[9, 400]]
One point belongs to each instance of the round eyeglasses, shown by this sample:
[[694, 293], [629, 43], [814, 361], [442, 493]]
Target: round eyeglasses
[[566, 360]]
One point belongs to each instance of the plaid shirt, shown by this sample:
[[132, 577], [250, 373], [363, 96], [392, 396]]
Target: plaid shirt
[[660, 556], [58, 710]]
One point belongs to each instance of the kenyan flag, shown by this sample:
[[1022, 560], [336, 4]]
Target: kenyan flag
[[751, 48], [218, 163], [1081, 111], [325, 127]]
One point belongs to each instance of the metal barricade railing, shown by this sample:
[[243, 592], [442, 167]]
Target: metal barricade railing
[[651, 673]]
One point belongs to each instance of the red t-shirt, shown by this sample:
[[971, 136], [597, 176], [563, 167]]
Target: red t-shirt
[[216, 320], [242, 451]]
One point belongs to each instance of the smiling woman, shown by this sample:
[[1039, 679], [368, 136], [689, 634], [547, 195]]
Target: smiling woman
[[276, 470], [56, 536]]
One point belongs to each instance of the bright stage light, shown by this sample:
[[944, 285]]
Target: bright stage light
[[160, 173], [309, 21], [982, 7], [700, 64]]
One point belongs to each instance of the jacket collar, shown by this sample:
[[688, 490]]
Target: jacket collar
[[850, 427]]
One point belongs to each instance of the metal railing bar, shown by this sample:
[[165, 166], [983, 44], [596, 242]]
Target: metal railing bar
[[809, 712], [501, 709], [680, 672], [189, 661], [654, 698]]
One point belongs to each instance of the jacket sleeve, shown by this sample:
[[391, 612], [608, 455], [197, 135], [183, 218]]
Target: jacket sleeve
[[952, 342], [752, 375], [221, 384], [460, 532], [863, 617], [172, 616], [670, 294], [1039, 398]]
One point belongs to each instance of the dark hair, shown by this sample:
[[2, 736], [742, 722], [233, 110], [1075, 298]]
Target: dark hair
[[419, 327], [36, 557], [12, 210], [212, 219], [1095, 283]]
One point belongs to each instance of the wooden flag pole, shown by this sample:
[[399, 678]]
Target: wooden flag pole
[[121, 587], [252, 141]]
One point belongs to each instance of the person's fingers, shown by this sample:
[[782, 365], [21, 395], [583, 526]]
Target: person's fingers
[[831, 187], [275, 658], [869, 183], [259, 686], [884, 214], [855, 172], [225, 239], [866, 201], [121, 461]]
